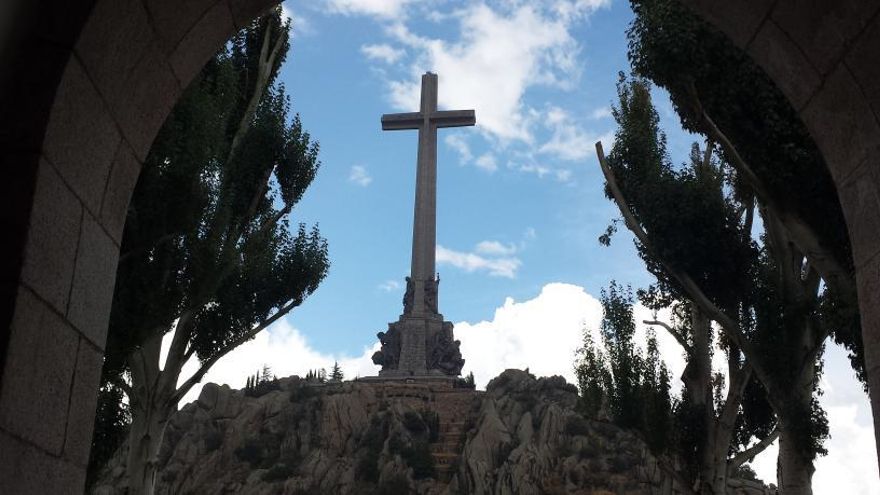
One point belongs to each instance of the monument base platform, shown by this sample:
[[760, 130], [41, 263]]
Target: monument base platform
[[443, 381]]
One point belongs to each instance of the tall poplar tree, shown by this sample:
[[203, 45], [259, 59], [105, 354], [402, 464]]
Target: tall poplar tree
[[695, 238], [208, 256]]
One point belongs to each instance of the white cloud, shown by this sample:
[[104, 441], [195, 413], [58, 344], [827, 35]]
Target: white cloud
[[568, 140], [459, 144], [471, 262], [601, 113], [388, 9], [390, 285], [301, 24], [383, 52], [499, 55], [543, 333], [359, 176], [495, 248], [285, 350], [487, 162]]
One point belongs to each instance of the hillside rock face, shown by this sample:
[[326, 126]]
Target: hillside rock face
[[521, 436]]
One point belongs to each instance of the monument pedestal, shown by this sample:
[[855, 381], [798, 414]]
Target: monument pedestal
[[419, 344]]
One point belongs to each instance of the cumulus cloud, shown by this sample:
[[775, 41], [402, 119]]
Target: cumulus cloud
[[359, 176], [601, 113], [495, 248], [285, 350], [387, 9], [500, 54], [487, 162], [302, 26], [390, 285], [458, 143], [500, 266], [568, 140], [543, 333], [383, 52]]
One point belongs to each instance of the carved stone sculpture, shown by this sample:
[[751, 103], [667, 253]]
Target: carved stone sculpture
[[389, 355]]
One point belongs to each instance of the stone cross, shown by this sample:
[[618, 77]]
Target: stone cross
[[427, 120]]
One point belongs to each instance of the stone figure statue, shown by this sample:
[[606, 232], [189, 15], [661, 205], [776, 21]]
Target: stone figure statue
[[389, 355], [408, 297], [431, 295], [444, 353]]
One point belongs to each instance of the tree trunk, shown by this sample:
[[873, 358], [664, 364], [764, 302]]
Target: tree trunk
[[151, 407], [145, 438], [794, 466], [698, 380]]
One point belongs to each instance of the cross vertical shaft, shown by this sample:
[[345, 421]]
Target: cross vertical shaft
[[427, 120], [425, 210]]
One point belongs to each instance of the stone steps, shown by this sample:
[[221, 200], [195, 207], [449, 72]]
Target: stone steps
[[453, 409]]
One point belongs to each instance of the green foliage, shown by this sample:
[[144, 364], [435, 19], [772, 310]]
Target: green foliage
[[213, 440], [703, 70], [372, 442], [261, 383], [467, 382], [432, 419], [621, 381], [111, 427], [418, 457], [336, 374], [207, 233], [278, 472], [395, 485], [576, 425], [318, 376]]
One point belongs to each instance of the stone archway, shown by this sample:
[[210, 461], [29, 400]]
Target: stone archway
[[823, 56], [84, 87]]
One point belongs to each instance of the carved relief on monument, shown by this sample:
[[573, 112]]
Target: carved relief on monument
[[408, 297], [443, 352], [389, 355], [431, 287]]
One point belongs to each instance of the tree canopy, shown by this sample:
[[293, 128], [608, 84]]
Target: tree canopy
[[209, 254]]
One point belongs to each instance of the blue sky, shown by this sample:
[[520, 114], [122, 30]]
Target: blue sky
[[520, 202], [527, 185]]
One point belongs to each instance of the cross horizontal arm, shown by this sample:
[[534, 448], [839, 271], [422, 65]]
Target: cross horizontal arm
[[454, 118], [400, 121]]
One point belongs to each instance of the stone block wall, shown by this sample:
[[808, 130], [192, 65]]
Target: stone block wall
[[84, 87]]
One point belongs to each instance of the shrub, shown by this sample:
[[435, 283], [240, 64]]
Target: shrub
[[395, 485], [577, 425], [278, 472], [432, 419], [414, 423], [419, 458], [213, 440]]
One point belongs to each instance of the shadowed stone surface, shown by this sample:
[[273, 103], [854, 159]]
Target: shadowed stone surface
[[89, 83]]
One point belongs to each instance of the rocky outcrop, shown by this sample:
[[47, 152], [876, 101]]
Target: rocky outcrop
[[521, 436]]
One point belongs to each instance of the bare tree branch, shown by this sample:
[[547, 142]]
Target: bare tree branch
[[679, 337], [832, 270], [198, 375], [750, 453]]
